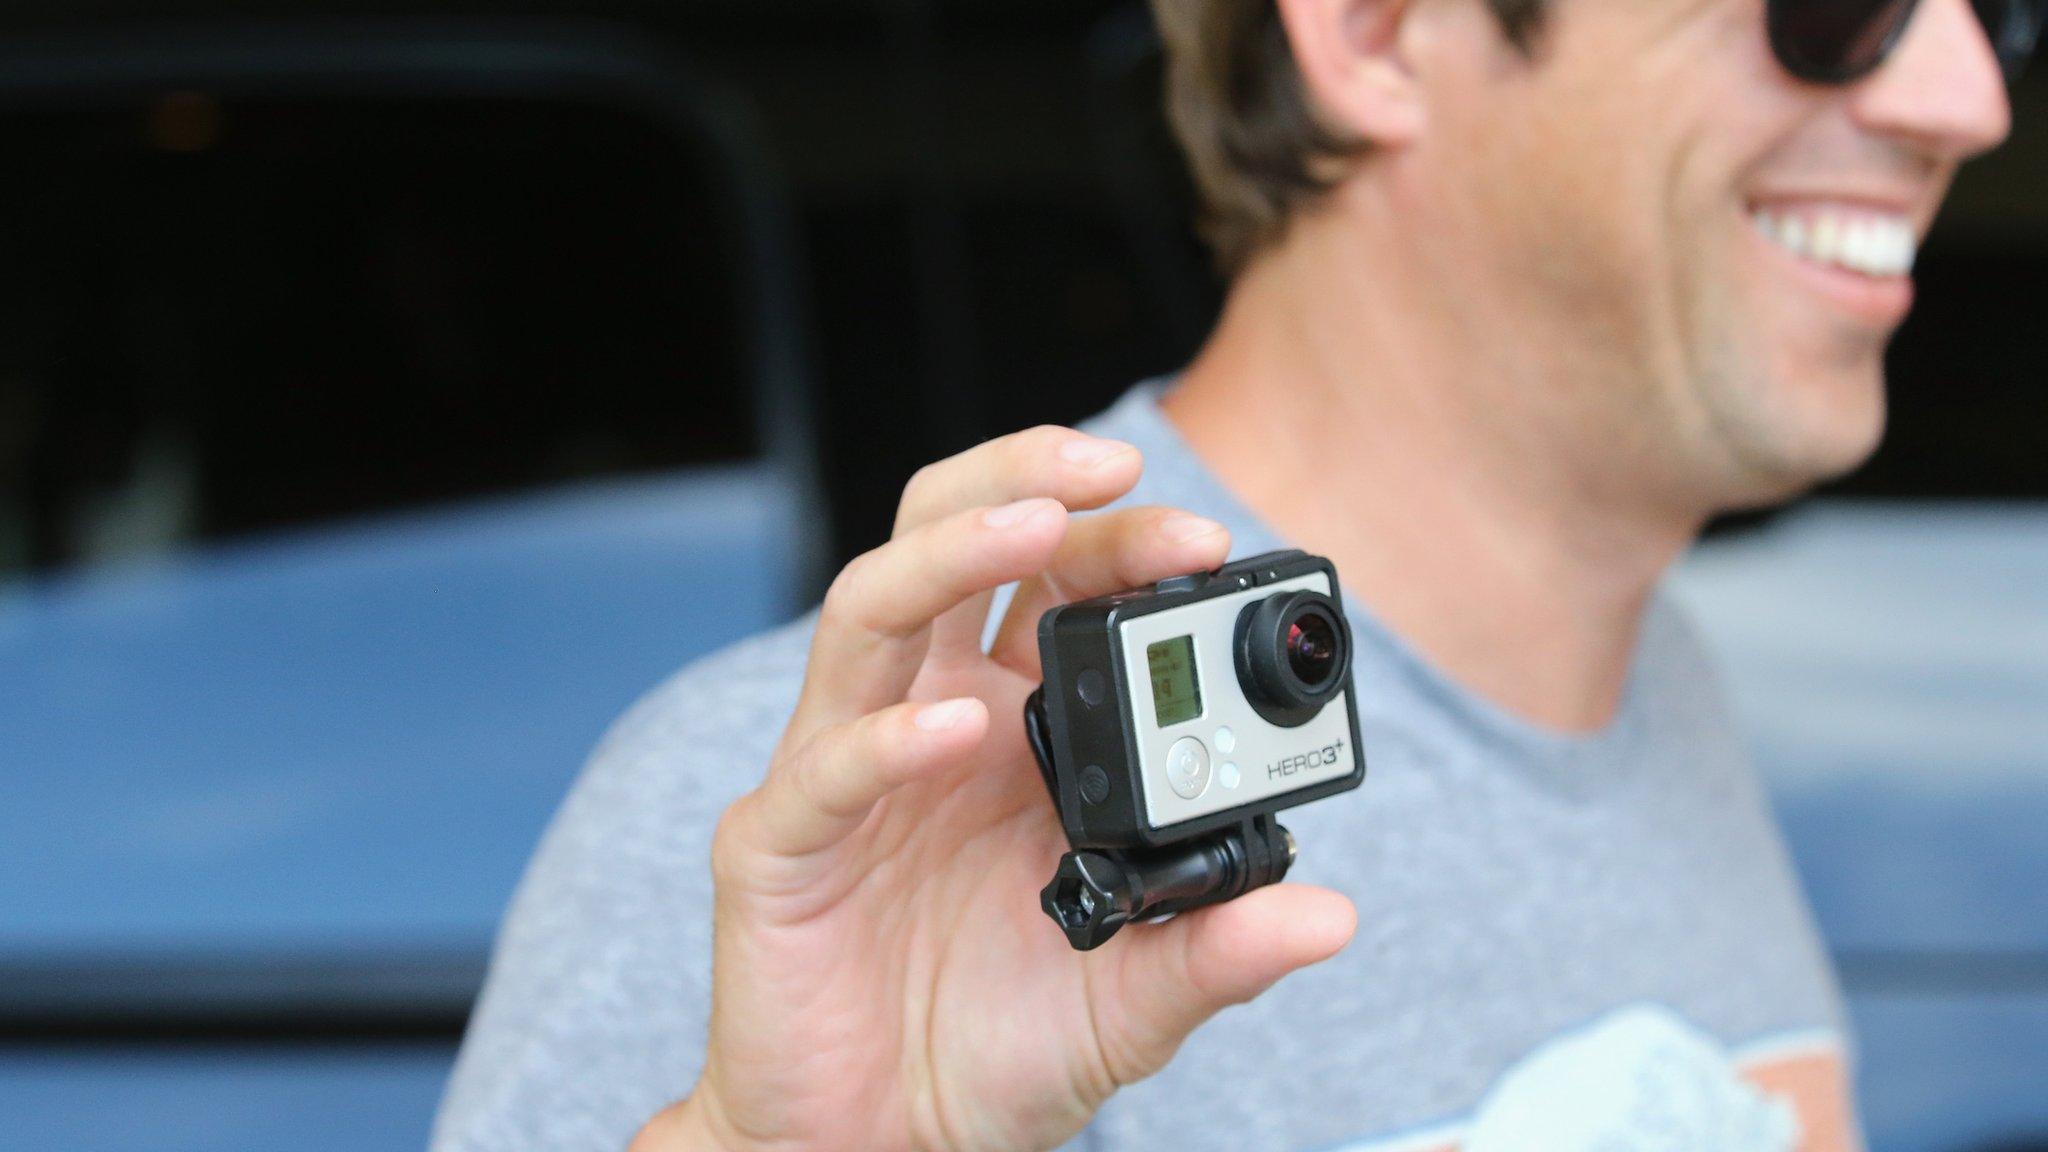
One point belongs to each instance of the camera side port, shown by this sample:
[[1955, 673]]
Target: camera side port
[[1293, 656]]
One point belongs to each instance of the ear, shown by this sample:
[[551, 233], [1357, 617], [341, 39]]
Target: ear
[[1353, 68]]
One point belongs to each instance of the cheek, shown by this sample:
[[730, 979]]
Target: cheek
[[1551, 205], [1573, 211], [1643, 127], [1591, 183]]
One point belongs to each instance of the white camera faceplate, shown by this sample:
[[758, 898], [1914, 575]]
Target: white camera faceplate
[[1242, 757]]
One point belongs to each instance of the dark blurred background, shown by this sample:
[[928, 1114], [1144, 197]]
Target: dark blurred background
[[267, 274], [389, 393]]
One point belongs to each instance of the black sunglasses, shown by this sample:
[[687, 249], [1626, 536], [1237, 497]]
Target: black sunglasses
[[1837, 41]]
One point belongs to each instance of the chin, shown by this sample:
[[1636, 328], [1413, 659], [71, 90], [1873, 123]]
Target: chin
[[1801, 429]]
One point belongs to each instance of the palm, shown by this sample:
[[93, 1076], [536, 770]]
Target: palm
[[966, 1008]]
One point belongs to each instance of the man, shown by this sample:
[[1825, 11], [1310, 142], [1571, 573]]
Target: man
[[1523, 293]]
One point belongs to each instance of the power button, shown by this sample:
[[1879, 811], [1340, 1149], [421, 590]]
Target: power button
[[1182, 583], [1187, 768]]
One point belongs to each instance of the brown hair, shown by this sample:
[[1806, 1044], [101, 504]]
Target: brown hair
[[1235, 99]]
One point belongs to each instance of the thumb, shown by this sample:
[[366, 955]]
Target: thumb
[[1171, 977]]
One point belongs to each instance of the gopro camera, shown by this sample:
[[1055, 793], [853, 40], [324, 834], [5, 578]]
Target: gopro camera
[[1175, 720]]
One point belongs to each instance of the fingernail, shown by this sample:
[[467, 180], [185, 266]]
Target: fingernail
[[1011, 515], [940, 717], [1181, 527], [1090, 452]]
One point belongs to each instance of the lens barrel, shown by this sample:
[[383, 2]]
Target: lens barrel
[[1293, 655]]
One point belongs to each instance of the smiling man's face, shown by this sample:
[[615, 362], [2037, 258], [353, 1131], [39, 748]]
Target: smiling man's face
[[1715, 251]]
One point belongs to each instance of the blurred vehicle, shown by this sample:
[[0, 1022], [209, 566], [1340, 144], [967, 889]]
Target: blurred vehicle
[[384, 404], [385, 409], [265, 803]]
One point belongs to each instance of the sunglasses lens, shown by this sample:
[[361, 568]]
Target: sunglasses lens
[[1830, 41], [2013, 27]]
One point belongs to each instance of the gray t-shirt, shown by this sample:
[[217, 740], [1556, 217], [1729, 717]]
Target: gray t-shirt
[[1566, 943]]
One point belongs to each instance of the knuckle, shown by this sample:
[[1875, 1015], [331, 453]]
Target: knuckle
[[866, 738], [730, 843], [1123, 1058], [1125, 536], [1034, 452], [918, 490], [1133, 522], [842, 596], [1019, 463], [858, 602], [805, 787], [1199, 979]]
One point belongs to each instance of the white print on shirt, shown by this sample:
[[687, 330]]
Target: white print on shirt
[[1643, 1079]]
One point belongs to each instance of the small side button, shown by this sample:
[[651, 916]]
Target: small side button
[[1092, 687], [1094, 784]]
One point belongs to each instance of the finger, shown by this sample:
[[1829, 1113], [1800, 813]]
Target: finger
[[1171, 977], [1110, 552], [1078, 470], [873, 632], [817, 796]]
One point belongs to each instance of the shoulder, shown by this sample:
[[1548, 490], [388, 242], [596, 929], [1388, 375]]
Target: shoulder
[[687, 749], [594, 1010], [656, 783], [730, 704]]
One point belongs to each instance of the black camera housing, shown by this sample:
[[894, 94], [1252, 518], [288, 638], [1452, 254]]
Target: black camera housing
[[1265, 665]]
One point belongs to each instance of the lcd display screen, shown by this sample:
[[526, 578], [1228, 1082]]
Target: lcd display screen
[[1176, 695]]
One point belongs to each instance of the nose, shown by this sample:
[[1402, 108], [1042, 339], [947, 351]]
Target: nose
[[1941, 90]]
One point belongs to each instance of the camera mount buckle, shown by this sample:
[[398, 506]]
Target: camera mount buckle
[[1096, 891]]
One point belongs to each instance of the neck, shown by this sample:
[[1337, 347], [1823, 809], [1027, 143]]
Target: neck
[[1492, 527]]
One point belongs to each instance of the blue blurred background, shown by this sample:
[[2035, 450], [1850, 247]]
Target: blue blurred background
[[391, 392]]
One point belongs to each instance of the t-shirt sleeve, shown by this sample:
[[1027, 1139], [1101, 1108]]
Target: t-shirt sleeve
[[593, 1016]]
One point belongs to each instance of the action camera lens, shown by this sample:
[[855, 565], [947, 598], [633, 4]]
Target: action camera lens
[[1293, 655], [1312, 648]]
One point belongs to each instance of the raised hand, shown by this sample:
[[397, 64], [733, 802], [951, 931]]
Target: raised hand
[[883, 977]]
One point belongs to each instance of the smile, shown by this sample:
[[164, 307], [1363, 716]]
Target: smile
[[1876, 244]]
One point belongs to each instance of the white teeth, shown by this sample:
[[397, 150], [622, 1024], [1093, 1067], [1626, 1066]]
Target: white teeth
[[1870, 243], [1827, 240]]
